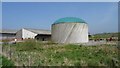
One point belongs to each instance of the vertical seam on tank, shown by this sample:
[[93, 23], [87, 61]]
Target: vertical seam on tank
[[63, 31], [70, 33]]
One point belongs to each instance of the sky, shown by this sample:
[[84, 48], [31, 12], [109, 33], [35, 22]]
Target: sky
[[60, 0], [100, 16]]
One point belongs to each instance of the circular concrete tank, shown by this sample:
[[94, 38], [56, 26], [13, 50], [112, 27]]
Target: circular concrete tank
[[70, 30]]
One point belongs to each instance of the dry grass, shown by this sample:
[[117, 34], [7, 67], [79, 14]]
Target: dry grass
[[38, 53]]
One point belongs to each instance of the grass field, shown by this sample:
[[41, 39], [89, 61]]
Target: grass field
[[5, 62], [32, 53]]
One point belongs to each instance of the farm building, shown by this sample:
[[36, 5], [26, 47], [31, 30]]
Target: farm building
[[7, 34], [70, 30], [39, 34]]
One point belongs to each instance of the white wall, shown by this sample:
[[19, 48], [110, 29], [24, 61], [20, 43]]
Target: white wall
[[70, 33], [25, 34]]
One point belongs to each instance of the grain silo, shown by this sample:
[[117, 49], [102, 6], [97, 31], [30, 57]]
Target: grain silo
[[70, 30]]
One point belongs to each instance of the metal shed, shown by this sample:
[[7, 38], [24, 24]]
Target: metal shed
[[39, 34]]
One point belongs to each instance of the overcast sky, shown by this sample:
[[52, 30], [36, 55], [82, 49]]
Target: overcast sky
[[100, 16]]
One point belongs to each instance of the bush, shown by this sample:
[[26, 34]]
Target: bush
[[27, 45], [6, 63], [77, 64]]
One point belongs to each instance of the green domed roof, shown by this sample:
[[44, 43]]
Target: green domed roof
[[69, 20]]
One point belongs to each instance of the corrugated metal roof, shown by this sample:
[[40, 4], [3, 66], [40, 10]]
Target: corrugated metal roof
[[8, 31], [39, 31], [69, 20]]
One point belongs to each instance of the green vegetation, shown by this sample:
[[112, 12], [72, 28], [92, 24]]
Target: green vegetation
[[0, 61], [35, 53], [106, 35], [5, 63]]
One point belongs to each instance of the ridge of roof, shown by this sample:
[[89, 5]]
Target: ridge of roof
[[8, 31], [39, 31]]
